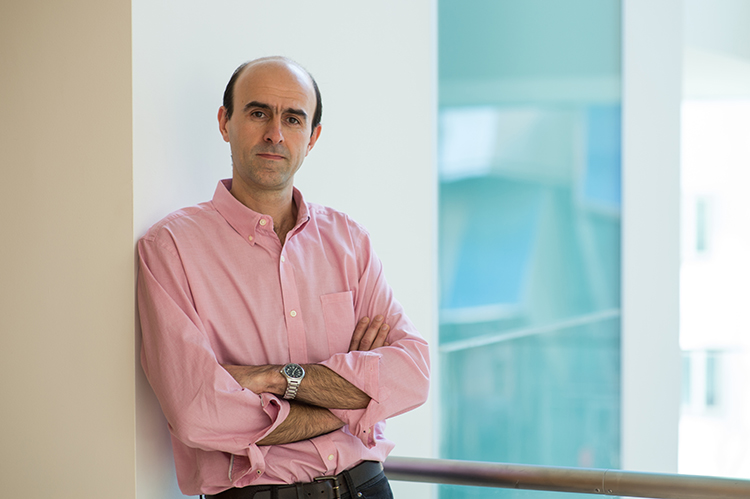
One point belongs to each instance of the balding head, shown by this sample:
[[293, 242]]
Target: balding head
[[229, 91]]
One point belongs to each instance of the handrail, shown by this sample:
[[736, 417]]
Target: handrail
[[559, 479]]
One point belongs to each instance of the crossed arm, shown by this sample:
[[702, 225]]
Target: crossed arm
[[321, 389]]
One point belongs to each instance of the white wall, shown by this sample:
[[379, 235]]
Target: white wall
[[652, 82], [718, 26], [374, 63]]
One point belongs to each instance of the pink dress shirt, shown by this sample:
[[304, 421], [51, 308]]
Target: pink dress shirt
[[217, 287]]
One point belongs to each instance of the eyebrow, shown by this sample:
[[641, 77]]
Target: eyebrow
[[261, 105]]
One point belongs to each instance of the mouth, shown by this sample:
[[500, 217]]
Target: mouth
[[271, 156]]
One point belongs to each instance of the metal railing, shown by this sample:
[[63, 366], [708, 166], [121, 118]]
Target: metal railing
[[559, 479]]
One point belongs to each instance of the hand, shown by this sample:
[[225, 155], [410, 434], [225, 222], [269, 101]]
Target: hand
[[369, 335]]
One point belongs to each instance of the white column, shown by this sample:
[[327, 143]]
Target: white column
[[652, 81]]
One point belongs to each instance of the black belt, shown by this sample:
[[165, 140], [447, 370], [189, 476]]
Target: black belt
[[332, 487]]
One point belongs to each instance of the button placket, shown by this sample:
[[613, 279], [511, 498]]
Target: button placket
[[294, 320], [327, 452]]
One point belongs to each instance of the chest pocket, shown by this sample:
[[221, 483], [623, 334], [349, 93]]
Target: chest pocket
[[338, 314]]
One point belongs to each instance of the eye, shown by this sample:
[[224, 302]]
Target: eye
[[294, 121], [258, 114]]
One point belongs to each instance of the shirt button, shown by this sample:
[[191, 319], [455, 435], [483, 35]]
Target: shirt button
[[282, 258], [260, 472], [249, 238], [263, 221], [293, 313], [330, 457]]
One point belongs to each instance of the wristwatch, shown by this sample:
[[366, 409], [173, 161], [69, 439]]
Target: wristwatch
[[293, 374]]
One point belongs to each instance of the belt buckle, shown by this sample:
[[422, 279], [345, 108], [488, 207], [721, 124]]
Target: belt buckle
[[336, 489]]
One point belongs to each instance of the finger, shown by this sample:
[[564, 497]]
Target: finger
[[372, 332], [359, 332], [379, 340]]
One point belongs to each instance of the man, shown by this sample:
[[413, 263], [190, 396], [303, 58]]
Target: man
[[270, 336]]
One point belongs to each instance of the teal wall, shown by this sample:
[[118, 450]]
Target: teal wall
[[486, 40]]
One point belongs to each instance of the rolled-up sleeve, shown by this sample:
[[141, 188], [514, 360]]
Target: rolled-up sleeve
[[205, 407], [396, 377]]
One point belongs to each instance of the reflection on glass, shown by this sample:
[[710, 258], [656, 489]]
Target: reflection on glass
[[529, 245]]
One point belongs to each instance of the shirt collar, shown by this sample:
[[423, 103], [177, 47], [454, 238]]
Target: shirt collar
[[246, 221]]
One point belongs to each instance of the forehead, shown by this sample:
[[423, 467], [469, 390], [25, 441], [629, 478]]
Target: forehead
[[277, 84]]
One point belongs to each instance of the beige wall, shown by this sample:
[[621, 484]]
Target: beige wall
[[66, 259]]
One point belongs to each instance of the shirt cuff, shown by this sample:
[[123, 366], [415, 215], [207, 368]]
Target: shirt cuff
[[255, 464], [277, 409], [358, 423], [361, 369]]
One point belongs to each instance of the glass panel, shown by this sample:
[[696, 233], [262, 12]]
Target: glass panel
[[463, 492], [542, 398], [529, 244]]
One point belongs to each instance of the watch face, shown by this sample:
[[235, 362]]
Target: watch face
[[294, 370]]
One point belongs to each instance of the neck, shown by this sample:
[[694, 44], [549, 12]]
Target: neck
[[279, 205]]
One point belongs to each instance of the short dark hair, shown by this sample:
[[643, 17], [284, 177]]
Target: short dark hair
[[229, 91]]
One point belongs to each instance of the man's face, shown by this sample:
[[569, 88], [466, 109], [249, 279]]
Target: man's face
[[269, 132]]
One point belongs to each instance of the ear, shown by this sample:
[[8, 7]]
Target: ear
[[314, 138], [223, 120]]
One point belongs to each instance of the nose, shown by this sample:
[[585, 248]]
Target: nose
[[273, 132]]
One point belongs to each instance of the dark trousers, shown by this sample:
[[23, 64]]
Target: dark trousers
[[378, 488], [352, 481]]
